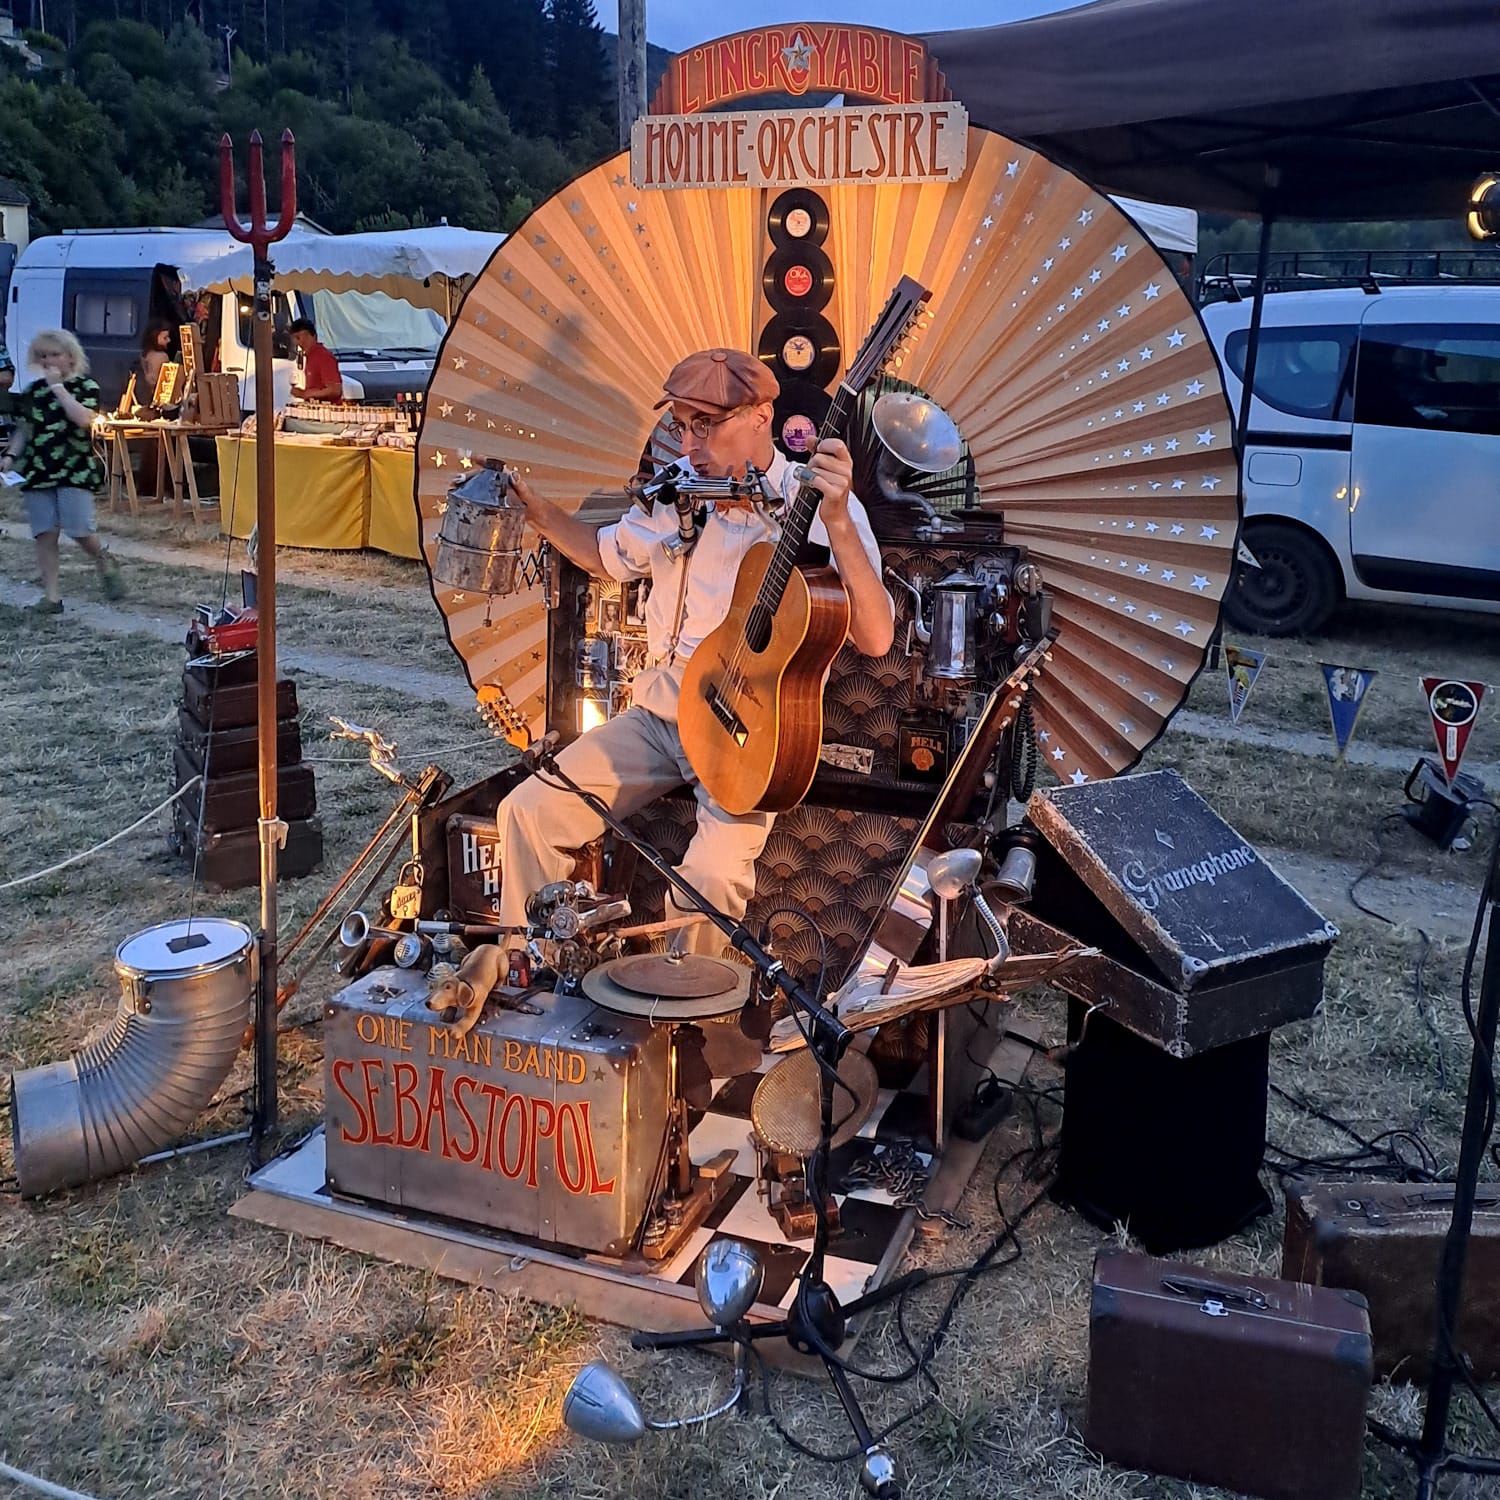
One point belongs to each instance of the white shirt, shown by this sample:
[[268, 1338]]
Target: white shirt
[[633, 548]]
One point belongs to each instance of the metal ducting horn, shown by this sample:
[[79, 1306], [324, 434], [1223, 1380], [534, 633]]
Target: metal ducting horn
[[916, 433], [1017, 877]]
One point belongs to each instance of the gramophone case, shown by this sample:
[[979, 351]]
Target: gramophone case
[[545, 1125]]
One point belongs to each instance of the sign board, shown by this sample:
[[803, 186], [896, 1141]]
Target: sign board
[[777, 148], [818, 58]]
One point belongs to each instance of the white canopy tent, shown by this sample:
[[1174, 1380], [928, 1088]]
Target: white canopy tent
[[426, 267], [1167, 228]]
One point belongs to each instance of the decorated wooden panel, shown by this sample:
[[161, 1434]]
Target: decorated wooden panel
[[1076, 369]]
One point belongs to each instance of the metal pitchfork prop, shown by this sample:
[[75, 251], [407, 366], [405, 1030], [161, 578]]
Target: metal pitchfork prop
[[260, 237]]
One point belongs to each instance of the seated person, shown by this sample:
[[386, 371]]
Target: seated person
[[721, 412], [321, 380], [156, 351]]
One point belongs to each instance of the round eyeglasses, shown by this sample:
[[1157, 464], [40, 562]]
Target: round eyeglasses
[[701, 425]]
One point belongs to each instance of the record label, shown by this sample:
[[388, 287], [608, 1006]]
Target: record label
[[799, 433], [799, 223], [798, 216], [798, 280], [798, 352]]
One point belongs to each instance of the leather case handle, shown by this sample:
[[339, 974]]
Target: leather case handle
[[1193, 1286]]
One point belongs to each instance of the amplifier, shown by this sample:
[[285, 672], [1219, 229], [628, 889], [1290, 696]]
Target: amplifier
[[544, 1125]]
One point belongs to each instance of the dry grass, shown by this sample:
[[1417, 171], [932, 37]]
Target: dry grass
[[153, 1346]]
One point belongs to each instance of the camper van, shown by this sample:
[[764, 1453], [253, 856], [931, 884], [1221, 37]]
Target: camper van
[[1372, 456], [106, 286]]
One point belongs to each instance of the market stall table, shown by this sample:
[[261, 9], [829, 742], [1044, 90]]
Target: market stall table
[[328, 495], [175, 460]]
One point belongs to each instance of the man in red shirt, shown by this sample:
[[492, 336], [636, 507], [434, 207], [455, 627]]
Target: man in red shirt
[[321, 380]]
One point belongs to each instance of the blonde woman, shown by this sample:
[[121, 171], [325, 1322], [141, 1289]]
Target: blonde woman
[[53, 451]]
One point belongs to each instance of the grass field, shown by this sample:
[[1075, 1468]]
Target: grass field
[[152, 1346]]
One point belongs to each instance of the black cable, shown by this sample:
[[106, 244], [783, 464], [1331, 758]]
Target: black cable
[[1371, 1155]]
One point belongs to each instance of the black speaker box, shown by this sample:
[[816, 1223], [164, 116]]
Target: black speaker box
[[1169, 1146]]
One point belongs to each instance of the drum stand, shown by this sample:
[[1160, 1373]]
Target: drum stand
[[818, 1322]]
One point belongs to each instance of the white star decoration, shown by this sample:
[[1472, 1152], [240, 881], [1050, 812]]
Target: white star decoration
[[1153, 617], [1058, 754], [1118, 253], [1199, 582], [1152, 526], [437, 458], [1011, 168], [1175, 338], [1208, 533], [1167, 575], [1193, 387], [1078, 778], [446, 408], [1206, 437], [459, 361], [1086, 217], [1209, 482], [1152, 291]]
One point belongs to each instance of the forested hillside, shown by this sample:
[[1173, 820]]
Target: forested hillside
[[473, 110]]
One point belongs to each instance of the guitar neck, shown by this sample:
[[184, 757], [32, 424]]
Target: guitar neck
[[799, 517]]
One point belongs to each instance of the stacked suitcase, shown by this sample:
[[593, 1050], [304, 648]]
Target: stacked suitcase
[[217, 822]]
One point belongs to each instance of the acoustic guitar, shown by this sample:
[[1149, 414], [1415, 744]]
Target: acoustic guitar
[[751, 710]]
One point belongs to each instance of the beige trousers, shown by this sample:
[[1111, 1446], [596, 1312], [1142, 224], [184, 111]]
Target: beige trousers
[[628, 762]]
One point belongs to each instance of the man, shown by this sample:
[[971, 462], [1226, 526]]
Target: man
[[321, 380], [721, 406]]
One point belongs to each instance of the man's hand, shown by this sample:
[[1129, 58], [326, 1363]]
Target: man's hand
[[834, 467]]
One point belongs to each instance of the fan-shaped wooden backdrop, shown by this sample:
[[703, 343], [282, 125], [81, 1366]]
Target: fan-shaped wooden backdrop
[[1073, 364]]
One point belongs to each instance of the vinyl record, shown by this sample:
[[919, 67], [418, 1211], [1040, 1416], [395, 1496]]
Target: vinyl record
[[798, 279], [799, 217], [801, 348], [1074, 365]]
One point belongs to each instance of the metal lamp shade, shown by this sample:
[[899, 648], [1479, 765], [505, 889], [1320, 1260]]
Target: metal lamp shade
[[729, 1279], [600, 1407]]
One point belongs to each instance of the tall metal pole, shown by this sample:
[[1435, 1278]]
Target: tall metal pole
[[260, 236], [630, 66]]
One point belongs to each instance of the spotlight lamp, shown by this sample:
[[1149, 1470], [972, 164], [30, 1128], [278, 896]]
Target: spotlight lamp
[[1484, 207], [601, 1407]]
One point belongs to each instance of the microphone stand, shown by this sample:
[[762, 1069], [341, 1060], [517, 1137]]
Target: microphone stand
[[817, 1322]]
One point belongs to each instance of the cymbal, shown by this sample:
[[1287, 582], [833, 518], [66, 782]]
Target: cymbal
[[725, 987], [678, 976]]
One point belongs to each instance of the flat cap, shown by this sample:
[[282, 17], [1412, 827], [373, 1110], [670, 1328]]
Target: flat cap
[[720, 380]]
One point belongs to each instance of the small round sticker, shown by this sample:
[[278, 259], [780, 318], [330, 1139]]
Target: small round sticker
[[798, 280], [799, 433], [799, 223]]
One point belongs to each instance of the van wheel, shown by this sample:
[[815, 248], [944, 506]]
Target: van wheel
[[1293, 591]]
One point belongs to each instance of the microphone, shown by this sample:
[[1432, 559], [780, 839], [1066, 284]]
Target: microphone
[[533, 755]]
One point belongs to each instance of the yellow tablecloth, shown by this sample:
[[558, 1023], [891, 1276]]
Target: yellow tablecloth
[[331, 497], [393, 511]]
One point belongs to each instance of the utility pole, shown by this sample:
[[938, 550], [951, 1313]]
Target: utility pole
[[630, 66]]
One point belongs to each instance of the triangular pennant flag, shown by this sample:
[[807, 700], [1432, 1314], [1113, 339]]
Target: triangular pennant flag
[[1241, 668], [1348, 687], [1453, 705]]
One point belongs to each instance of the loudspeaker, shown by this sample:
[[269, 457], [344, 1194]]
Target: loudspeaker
[[1169, 1146]]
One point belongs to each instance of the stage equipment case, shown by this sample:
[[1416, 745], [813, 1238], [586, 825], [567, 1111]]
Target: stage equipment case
[[545, 1125], [1385, 1240], [1248, 1382], [1204, 950]]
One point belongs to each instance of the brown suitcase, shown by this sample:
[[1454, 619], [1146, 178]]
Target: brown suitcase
[[232, 707], [230, 860], [1248, 1382], [1385, 1240], [225, 751], [233, 801]]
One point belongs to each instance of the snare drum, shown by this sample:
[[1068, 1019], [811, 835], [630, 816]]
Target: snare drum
[[199, 970]]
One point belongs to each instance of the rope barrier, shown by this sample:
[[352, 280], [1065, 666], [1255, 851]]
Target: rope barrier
[[186, 787]]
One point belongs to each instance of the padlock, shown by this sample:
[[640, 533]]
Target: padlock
[[406, 895]]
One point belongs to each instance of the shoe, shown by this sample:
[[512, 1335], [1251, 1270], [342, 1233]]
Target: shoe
[[45, 607], [110, 580]]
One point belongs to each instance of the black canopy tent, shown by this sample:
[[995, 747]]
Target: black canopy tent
[[1366, 108], [1309, 109]]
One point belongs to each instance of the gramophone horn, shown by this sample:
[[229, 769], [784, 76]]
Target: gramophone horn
[[918, 431]]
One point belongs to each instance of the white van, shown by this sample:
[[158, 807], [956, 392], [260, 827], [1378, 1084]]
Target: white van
[[106, 286], [1372, 459]]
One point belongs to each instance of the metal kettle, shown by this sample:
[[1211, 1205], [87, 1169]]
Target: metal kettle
[[951, 634]]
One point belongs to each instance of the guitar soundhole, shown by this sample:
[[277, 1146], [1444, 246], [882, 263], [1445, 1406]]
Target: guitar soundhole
[[758, 628]]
